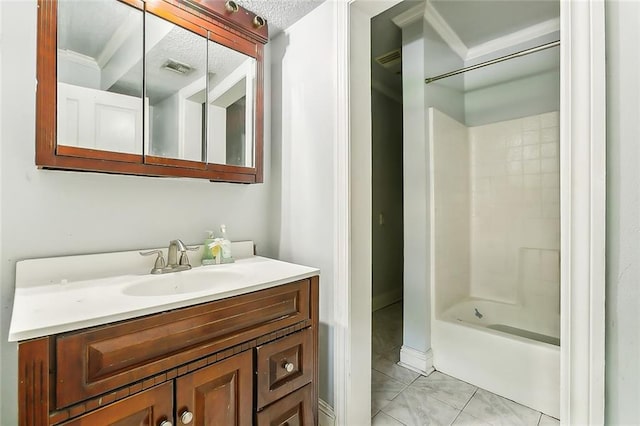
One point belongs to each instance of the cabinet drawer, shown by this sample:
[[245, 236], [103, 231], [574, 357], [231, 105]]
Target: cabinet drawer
[[293, 410], [101, 359], [284, 366]]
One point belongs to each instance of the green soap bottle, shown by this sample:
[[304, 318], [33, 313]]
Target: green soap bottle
[[208, 255]]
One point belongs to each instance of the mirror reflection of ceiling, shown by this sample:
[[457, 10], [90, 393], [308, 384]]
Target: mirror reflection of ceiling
[[178, 45], [94, 23]]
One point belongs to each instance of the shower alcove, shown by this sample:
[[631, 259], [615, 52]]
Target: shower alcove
[[582, 213], [493, 207]]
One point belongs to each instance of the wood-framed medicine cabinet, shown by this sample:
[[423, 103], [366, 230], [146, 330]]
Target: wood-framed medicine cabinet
[[153, 88]]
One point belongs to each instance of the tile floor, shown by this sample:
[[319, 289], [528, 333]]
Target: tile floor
[[400, 396]]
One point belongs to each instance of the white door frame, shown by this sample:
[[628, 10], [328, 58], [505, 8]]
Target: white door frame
[[582, 163]]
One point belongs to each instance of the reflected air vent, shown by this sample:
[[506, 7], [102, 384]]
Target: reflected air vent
[[390, 59], [177, 67]]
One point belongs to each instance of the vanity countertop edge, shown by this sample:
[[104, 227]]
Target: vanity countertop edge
[[61, 305]]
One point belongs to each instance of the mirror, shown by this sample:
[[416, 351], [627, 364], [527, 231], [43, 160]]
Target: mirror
[[99, 69], [175, 64], [154, 88], [231, 100], [201, 97]]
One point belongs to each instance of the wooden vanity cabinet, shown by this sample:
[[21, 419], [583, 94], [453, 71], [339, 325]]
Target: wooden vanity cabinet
[[247, 359]]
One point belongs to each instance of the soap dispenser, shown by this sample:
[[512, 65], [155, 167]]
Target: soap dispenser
[[211, 251], [225, 246]]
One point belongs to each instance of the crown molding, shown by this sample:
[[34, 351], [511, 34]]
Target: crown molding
[[410, 16], [78, 58], [513, 39], [441, 26]]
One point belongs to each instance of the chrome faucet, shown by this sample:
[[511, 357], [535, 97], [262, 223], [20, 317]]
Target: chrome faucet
[[173, 263]]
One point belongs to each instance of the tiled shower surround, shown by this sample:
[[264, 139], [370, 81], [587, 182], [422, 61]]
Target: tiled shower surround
[[515, 210], [496, 216]]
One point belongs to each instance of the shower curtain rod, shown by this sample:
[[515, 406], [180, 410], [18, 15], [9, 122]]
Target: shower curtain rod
[[494, 61]]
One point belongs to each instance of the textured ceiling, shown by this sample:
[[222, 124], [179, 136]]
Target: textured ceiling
[[280, 14], [187, 48], [87, 29]]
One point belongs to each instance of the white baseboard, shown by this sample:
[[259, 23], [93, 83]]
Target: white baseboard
[[385, 299], [326, 416], [420, 362]]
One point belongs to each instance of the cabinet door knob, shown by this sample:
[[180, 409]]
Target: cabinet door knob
[[288, 366], [166, 423], [186, 417]]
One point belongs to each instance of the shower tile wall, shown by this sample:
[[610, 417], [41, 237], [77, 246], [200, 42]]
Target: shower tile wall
[[515, 196]]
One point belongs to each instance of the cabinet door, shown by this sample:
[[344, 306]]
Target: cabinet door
[[292, 410], [220, 394], [148, 408]]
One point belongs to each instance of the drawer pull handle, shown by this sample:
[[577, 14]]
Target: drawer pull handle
[[186, 417], [165, 423], [288, 366]]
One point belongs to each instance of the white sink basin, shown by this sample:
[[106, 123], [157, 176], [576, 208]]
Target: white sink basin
[[181, 282]]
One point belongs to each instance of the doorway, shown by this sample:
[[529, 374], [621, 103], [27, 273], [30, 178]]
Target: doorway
[[582, 217]]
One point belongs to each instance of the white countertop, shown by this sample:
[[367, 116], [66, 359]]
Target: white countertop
[[67, 299]]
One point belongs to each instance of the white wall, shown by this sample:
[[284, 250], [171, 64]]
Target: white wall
[[446, 94], [622, 373], [303, 102], [424, 53], [451, 198], [52, 213], [386, 193], [526, 96], [2, 307], [416, 181], [164, 127]]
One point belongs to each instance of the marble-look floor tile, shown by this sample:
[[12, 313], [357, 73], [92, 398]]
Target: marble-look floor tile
[[384, 341], [497, 410], [548, 421], [414, 407], [393, 354], [386, 329], [391, 369], [383, 390], [388, 320], [392, 311], [447, 389], [465, 419], [382, 419]]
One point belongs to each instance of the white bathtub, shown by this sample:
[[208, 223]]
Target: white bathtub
[[505, 351]]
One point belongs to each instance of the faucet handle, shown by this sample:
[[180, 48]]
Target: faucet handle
[[184, 259], [157, 268]]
